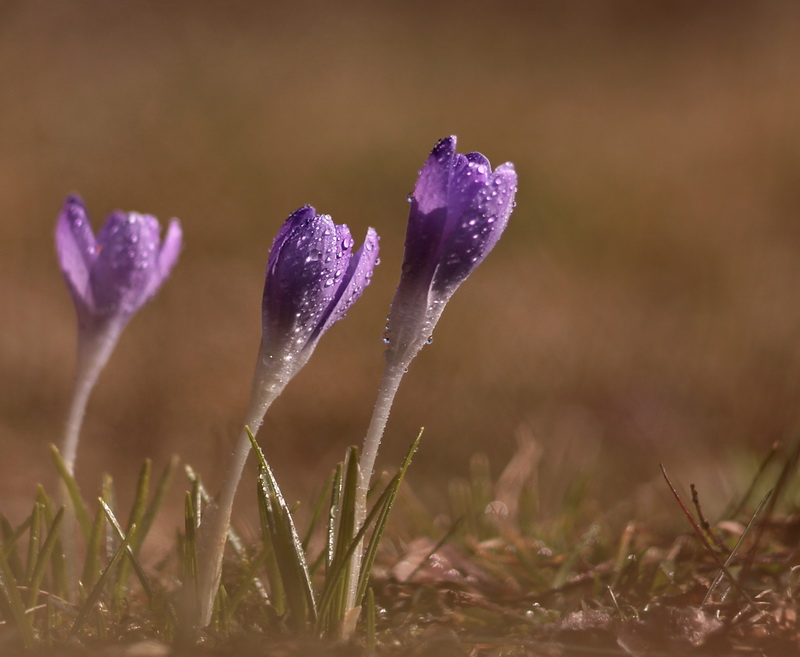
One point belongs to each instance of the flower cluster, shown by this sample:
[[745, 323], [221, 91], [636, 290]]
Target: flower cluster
[[459, 209]]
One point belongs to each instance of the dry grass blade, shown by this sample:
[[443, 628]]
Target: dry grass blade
[[701, 535], [737, 547]]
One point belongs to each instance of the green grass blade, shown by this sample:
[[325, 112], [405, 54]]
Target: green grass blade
[[74, 493], [43, 558], [294, 574], [9, 590], [134, 518], [336, 495], [94, 545], [380, 525], [127, 539], [288, 547], [10, 538], [60, 585], [110, 498], [277, 592], [97, 590], [370, 640], [160, 493], [337, 578], [316, 512], [190, 572], [234, 540], [140, 499], [334, 579], [34, 536]]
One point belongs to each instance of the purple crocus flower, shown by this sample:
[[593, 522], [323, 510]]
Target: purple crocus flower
[[459, 209], [109, 278], [112, 276], [313, 277]]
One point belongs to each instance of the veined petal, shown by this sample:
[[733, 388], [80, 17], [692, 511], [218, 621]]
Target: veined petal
[[356, 278], [427, 218], [477, 230], [128, 255], [301, 277], [470, 173], [298, 217], [167, 257], [430, 192], [75, 249]]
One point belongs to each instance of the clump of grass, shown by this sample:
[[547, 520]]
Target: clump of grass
[[480, 578]]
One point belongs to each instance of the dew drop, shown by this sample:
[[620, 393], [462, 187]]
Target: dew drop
[[313, 255], [410, 197]]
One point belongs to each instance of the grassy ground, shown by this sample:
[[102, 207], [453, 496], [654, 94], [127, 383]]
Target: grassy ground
[[490, 573]]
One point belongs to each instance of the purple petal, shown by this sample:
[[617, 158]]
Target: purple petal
[[298, 217], [470, 173], [128, 256], [167, 257], [301, 276], [430, 192], [356, 278], [476, 231], [499, 201], [427, 219], [75, 248]]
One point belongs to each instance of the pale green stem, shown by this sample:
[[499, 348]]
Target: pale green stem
[[94, 350], [268, 383], [392, 375]]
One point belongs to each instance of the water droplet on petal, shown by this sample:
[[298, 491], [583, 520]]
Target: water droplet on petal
[[313, 255]]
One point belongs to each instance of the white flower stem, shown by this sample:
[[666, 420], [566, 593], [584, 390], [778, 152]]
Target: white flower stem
[[268, 383], [94, 350], [392, 375], [390, 382]]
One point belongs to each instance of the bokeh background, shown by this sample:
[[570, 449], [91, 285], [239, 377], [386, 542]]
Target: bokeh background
[[642, 306]]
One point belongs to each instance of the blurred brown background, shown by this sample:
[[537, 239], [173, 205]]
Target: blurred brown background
[[642, 306]]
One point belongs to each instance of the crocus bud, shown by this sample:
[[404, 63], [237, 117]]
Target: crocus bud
[[313, 277], [114, 275], [459, 209], [109, 278]]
